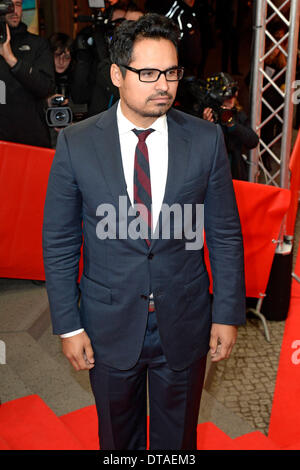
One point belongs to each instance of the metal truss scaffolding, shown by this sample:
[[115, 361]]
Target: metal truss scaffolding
[[274, 56], [276, 31]]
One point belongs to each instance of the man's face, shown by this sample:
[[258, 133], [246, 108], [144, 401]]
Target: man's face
[[13, 19], [143, 102], [133, 15], [229, 103], [118, 13], [62, 60]]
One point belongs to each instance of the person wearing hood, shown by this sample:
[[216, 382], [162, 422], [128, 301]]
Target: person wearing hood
[[27, 71]]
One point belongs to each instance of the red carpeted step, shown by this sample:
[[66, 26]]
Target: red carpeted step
[[4, 445], [210, 437], [255, 441], [29, 424], [294, 446], [83, 424]]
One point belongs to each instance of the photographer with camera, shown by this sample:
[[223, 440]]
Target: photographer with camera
[[26, 68], [221, 106], [91, 80], [61, 110], [61, 47]]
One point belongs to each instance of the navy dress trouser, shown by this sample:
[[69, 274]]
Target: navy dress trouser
[[174, 400]]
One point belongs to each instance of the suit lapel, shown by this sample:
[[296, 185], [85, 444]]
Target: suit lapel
[[107, 145], [179, 151]]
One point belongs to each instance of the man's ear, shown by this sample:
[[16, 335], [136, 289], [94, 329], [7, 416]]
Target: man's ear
[[116, 75]]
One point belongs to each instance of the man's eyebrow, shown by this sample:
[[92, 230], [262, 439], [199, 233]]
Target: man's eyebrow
[[155, 68]]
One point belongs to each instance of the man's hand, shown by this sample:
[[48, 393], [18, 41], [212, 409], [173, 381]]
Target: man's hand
[[6, 52], [64, 103], [222, 340], [79, 351], [208, 115]]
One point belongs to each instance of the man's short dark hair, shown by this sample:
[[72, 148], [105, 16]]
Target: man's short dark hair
[[151, 25], [60, 42]]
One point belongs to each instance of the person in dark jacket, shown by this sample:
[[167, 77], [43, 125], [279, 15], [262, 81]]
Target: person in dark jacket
[[61, 46], [238, 135], [27, 70], [91, 80]]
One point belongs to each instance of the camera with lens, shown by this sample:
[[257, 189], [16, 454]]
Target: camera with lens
[[58, 115], [211, 93], [97, 35], [6, 6]]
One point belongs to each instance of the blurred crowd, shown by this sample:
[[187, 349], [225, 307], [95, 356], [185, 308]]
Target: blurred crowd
[[55, 82]]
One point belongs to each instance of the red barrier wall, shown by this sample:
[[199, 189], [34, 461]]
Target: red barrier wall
[[24, 172], [261, 210]]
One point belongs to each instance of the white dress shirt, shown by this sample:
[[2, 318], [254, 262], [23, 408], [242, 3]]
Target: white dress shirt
[[157, 143]]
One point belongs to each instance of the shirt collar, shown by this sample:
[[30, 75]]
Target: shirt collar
[[125, 125]]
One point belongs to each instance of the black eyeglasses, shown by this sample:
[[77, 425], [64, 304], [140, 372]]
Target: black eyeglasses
[[173, 74]]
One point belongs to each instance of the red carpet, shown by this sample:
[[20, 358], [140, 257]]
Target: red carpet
[[84, 426], [285, 417], [29, 424]]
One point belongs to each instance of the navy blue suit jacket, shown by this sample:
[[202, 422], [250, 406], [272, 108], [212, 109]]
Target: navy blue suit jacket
[[119, 274]]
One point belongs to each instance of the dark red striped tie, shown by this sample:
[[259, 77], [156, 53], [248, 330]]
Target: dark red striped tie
[[142, 183]]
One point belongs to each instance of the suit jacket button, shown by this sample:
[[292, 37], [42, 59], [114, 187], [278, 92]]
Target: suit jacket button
[[150, 256]]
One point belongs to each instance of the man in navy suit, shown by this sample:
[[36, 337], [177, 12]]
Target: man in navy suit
[[145, 309]]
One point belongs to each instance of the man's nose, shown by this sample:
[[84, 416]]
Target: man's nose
[[162, 83]]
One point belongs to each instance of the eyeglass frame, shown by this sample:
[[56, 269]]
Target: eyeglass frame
[[138, 71], [64, 55]]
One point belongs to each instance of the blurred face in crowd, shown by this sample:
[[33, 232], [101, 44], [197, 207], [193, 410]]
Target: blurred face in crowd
[[229, 103], [13, 19], [62, 60], [118, 13], [143, 102], [127, 15], [133, 15]]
